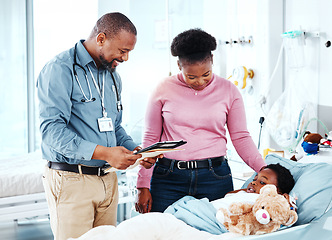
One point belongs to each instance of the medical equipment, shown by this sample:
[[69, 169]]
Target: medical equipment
[[91, 98], [241, 74], [261, 120], [294, 43], [243, 78]]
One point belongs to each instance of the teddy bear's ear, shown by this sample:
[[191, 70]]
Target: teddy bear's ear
[[292, 218], [268, 189]]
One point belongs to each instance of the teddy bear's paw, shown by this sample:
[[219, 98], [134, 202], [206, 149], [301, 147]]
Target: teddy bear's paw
[[220, 216]]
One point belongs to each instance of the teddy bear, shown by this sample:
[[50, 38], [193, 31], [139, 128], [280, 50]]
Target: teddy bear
[[310, 145], [267, 214], [311, 142]]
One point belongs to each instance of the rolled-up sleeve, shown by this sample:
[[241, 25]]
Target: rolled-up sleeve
[[55, 85]]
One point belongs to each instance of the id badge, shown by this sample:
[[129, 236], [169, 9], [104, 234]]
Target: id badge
[[105, 124]]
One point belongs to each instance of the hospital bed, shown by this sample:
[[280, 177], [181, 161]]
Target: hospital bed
[[313, 188], [21, 189], [22, 193]]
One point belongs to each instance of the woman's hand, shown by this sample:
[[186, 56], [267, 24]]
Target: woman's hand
[[144, 200], [149, 161]]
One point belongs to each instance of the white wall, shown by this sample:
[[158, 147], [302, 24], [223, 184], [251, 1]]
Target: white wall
[[315, 15], [265, 21]]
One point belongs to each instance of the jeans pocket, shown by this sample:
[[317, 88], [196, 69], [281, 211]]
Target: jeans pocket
[[221, 172], [161, 171]]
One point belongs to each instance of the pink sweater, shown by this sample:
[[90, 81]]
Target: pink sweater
[[174, 112]]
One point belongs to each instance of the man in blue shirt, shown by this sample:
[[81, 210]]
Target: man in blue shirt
[[81, 114]]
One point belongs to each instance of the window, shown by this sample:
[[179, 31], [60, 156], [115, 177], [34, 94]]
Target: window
[[37, 30], [58, 30], [13, 78]]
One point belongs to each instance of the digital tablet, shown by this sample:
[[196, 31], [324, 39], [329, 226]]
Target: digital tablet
[[151, 151], [162, 146]]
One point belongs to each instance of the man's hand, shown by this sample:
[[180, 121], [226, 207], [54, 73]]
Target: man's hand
[[144, 200], [118, 157]]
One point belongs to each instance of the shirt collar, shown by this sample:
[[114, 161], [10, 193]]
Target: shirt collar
[[83, 56]]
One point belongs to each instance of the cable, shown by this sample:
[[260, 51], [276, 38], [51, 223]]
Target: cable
[[262, 99]]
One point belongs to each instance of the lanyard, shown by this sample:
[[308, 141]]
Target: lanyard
[[101, 93]]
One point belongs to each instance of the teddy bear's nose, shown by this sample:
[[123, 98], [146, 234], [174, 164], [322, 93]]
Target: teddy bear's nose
[[262, 216]]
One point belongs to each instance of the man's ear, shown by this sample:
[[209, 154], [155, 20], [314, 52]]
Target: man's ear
[[101, 38]]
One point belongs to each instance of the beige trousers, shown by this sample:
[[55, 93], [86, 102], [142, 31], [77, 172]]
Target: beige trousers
[[78, 202]]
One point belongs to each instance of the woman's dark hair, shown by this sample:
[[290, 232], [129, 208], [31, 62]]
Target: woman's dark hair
[[193, 45], [284, 177]]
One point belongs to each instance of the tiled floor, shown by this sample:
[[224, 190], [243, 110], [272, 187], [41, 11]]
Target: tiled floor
[[34, 229]]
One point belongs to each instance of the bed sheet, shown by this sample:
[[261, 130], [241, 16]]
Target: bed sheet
[[165, 226], [21, 175], [162, 226]]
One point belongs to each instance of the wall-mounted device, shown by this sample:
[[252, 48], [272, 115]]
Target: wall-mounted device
[[241, 40], [241, 76]]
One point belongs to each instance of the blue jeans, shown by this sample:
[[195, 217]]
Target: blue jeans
[[169, 184]]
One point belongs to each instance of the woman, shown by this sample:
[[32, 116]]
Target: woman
[[194, 105]]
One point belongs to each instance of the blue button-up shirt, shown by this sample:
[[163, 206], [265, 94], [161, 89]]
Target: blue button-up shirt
[[69, 126]]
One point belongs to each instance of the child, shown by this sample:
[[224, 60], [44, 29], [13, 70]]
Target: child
[[201, 214], [271, 174]]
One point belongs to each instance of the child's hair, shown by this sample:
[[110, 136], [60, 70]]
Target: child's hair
[[284, 177]]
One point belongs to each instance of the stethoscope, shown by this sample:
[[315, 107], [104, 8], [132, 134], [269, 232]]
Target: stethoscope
[[91, 98]]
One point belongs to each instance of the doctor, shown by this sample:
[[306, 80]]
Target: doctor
[[81, 113]]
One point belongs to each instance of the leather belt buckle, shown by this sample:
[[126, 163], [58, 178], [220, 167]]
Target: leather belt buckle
[[178, 165], [187, 164]]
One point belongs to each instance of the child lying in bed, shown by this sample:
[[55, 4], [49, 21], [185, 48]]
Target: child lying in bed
[[201, 214], [271, 174]]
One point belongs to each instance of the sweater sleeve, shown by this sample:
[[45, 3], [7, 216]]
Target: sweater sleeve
[[240, 136], [152, 134]]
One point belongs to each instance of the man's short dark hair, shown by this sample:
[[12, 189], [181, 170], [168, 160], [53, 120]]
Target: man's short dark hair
[[112, 23]]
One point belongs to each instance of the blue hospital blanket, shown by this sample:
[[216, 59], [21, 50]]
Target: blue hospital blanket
[[198, 213]]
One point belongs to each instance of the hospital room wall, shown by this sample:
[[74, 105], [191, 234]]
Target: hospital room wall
[[226, 20], [315, 16], [265, 21], [151, 61], [157, 24]]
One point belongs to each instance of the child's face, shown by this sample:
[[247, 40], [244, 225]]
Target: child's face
[[265, 176]]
